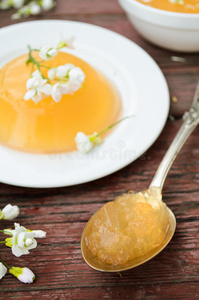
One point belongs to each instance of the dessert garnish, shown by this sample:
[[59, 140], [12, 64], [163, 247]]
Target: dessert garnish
[[62, 80]]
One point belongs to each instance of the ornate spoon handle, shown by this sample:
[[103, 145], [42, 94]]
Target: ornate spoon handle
[[191, 120]]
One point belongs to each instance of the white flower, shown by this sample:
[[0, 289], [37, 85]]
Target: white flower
[[25, 275], [76, 74], [35, 8], [5, 4], [83, 142], [3, 270], [71, 79], [57, 92], [9, 212], [62, 71], [47, 4], [22, 241], [18, 3], [37, 87], [16, 16], [47, 52], [67, 41], [8, 232], [76, 78], [39, 234], [51, 73]]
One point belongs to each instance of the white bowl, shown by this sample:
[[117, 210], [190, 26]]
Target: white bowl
[[170, 30]]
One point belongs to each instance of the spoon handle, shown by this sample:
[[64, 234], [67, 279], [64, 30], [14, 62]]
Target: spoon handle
[[191, 120]]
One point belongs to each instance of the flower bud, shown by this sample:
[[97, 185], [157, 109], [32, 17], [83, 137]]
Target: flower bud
[[47, 52], [9, 212], [24, 275], [39, 234], [3, 270]]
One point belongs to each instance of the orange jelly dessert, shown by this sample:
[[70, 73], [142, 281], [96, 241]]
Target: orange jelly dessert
[[181, 6], [48, 126], [128, 227]]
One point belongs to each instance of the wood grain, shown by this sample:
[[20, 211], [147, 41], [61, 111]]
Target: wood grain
[[63, 212]]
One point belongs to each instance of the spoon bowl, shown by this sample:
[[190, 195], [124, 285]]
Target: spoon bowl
[[95, 263]]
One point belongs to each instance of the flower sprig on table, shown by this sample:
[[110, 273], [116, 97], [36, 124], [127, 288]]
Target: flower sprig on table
[[20, 240], [27, 8], [62, 80]]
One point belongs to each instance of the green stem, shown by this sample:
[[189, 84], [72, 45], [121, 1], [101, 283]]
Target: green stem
[[2, 242], [32, 68], [34, 61], [5, 264], [62, 79], [111, 126], [43, 66]]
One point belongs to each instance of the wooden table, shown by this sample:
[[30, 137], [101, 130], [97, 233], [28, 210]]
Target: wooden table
[[61, 273]]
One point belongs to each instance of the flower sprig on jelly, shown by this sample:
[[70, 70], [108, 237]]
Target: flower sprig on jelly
[[21, 241], [85, 143], [62, 80]]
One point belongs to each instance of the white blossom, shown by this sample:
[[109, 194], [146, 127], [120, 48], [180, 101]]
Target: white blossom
[[51, 73], [47, 4], [3, 270], [76, 78], [66, 41], [47, 52], [32, 8], [9, 231], [69, 41], [57, 92], [37, 87], [22, 241], [25, 275], [39, 234], [16, 16], [5, 4], [62, 71], [70, 80], [35, 8], [18, 3], [9, 212], [83, 142]]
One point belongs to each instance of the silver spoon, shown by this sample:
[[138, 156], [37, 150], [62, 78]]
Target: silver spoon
[[191, 120]]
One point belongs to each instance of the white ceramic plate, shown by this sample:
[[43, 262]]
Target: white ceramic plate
[[140, 82]]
